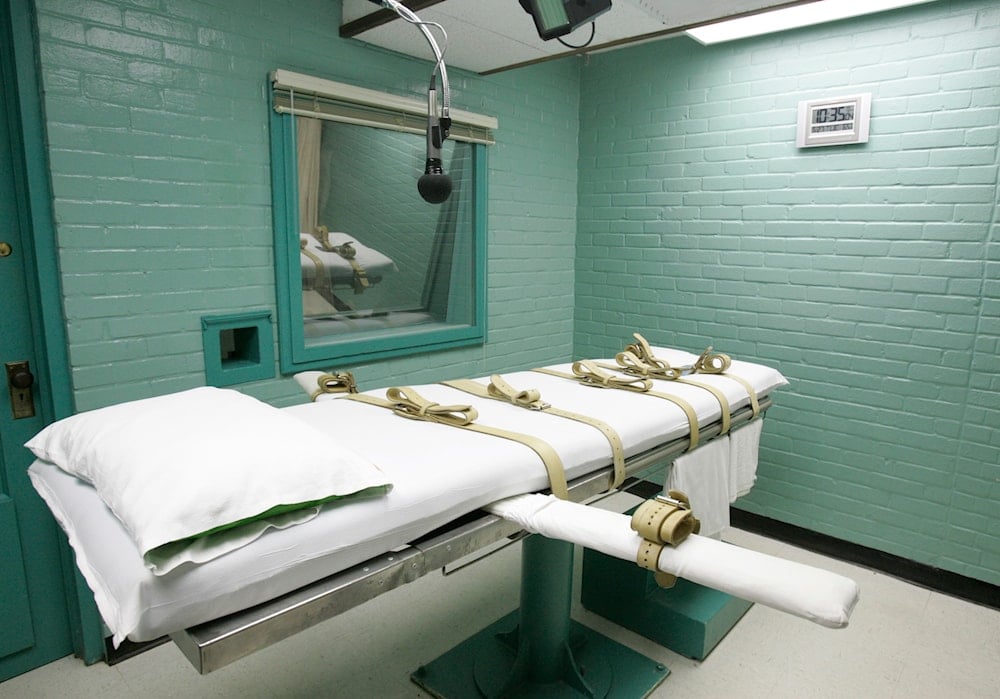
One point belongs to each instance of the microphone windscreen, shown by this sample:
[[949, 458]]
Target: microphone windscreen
[[434, 188]]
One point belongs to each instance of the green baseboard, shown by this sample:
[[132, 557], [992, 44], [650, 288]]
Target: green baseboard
[[689, 619]]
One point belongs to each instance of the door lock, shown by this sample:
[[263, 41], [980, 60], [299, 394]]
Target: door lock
[[19, 382]]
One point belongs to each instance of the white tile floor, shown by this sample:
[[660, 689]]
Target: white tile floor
[[903, 641]]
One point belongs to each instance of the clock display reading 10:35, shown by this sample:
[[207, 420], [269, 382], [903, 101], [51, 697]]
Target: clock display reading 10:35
[[833, 121], [827, 115], [833, 118]]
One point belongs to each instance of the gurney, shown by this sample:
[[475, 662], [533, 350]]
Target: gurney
[[333, 261], [442, 478], [342, 259]]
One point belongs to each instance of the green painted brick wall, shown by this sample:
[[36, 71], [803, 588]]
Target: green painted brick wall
[[156, 116], [867, 274]]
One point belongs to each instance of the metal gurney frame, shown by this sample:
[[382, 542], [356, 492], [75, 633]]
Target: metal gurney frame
[[214, 644]]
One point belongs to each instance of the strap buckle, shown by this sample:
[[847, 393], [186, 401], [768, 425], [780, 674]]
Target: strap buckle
[[667, 500]]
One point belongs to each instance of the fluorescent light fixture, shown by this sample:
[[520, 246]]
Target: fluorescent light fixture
[[792, 18]]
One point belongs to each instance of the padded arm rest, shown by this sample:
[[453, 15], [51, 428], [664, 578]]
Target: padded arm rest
[[817, 595]]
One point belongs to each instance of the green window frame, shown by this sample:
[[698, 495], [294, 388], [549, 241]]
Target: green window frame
[[459, 282]]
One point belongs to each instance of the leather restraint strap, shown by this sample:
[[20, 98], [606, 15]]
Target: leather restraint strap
[[321, 283], [629, 363], [346, 251], [666, 519], [406, 402], [649, 554], [590, 374], [648, 557], [334, 382], [707, 363], [719, 363], [531, 399], [727, 412]]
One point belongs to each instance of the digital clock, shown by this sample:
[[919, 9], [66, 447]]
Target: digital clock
[[834, 121]]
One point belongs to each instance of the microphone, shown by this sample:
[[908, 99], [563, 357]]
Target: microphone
[[434, 185]]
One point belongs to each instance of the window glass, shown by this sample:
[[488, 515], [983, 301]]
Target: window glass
[[367, 268]]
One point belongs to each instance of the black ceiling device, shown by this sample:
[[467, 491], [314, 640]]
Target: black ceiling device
[[555, 18]]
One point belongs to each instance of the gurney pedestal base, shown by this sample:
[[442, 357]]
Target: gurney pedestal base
[[689, 619], [539, 651]]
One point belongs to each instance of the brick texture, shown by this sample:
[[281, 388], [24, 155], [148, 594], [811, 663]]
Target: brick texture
[[867, 274], [157, 124]]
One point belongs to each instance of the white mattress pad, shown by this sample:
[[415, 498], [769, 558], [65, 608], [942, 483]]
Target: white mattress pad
[[438, 473]]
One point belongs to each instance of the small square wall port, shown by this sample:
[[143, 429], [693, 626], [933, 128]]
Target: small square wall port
[[238, 348]]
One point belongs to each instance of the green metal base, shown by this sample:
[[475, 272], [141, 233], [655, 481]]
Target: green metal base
[[483, 665], [689, 619], [539, 651]]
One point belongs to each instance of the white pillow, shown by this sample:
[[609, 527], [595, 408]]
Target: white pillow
[[183, 465]]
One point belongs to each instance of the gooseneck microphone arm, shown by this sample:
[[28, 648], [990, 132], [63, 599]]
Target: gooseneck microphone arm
[[434, 186]]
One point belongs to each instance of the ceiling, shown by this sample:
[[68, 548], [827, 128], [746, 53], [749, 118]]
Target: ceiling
[[486, 36]]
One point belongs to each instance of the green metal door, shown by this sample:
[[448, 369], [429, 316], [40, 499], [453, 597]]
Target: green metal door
[[34, 617]]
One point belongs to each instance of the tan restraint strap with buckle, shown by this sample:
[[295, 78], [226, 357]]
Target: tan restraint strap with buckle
[[707, 363], [590, 374], [531, 399], [649, 554], [666, 519], [631, 364], [406, 402], [648, 557], [718, 363], [727, 413], [321, 283], [346, 251], [334, 382]]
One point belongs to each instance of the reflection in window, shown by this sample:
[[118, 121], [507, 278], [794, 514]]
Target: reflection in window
[[374, 255], [366, 268]]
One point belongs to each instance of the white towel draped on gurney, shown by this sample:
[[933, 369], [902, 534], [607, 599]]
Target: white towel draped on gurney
[[339, 269], [744, 447], [704, 476], [820, 596], [716, 474], [438, 474]]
